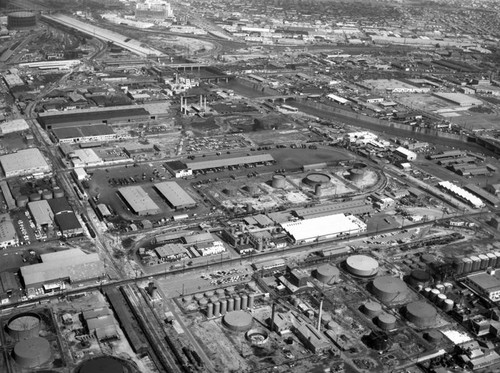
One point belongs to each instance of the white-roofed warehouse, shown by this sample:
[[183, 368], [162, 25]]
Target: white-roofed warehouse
[[323, 227], [175, 196], [24, 162], [71, 265], [139, 201]]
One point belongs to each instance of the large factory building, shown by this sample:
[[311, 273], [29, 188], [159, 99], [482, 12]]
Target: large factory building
[[25, 162], [72, 266], [227, 162], [176, 197], [139, 201], [323, 228]]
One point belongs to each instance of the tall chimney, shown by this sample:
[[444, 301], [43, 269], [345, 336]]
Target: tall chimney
[[273, 314], [320, 314]]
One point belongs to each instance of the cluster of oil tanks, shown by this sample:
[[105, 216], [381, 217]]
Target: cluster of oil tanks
[[23, 200], [437, 295], [477, 263], [222, 301], [383, 320]]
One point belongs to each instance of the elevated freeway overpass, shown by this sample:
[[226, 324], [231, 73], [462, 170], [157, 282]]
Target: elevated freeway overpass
[[132, 45]]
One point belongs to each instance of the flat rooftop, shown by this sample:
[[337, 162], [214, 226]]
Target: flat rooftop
[[174, 194], [226, 162], [138, 200]]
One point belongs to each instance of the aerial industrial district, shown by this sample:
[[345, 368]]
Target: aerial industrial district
[[262, 186]]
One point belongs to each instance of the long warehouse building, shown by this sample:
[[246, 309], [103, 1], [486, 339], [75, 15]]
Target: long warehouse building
[[226, 162], [323, 228], [139, 201], [25, 162], [72, 266], [176, 197]]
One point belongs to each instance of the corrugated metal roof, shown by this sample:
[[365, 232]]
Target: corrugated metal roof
[[138, 199], [175, 195], [225, 162], [73, 264]]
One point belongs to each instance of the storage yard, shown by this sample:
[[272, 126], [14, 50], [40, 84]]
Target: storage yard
[[212, 187]]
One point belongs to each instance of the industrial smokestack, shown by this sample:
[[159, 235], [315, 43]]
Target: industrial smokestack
[[320, 315], [273, 314]]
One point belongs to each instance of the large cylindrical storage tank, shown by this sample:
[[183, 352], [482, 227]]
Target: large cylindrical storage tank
[[203, 302], [419, 277], [427, 291], [497, 254], [476, 263], [187, 298], [230, 304], [253, 189], [484, 261], [210, 310], [421, 314], [492, 260], [46, 194], [198, 297], [238, 321], [244, 302], [371, 309], [22, 201], [361, 265], [35, 197], [433, 336], [440, 287], [448, 305], [237, 303], [428, 258], [21, 20], [24, 326], [223, 307], [356, 175], [386, 321], [279, 181], [251, 300], [448, 286], [467, 265], [220, 293], [32, 352], [327, 274], [389, 289], [217, 309], [434, 294], [458, 266], [440, 300], [58, 192], [209, 294], [318, 190], [213, 299], [230, 290]]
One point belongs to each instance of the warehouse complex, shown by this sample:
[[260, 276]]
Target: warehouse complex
[[8, 235], [176, 197], [25, 162], [227, 162], [323, 228], [69, 266], [138, 201]]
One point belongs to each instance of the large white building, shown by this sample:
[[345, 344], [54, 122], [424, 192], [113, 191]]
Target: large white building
[[153, 9], [8, 235], [16, 125], [25, 162], [323, 228], [461, 194]]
